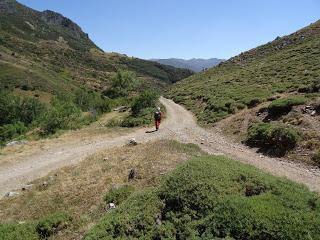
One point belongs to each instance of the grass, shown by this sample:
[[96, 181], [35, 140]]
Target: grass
[[283, 65], [95, 176], [215, 198]]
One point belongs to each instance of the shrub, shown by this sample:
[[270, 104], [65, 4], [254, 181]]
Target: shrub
[[206, 198], [145, 100], [14, 109], [18, 232], [10, 131], [52, 224], [118, 195], [60, 116], [284, 105], [276, 139], [91, 101], [122, 84], [253, 102]]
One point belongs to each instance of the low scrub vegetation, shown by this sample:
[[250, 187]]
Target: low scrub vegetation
[[42, 229], [18, 115], [118, 195], [275, 139], [215, 198], [283, 106], [282, 66], [142, 109]]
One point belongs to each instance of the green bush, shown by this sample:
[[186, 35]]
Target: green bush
[[122, 84], [276, 139], [24, 231], [284, 105], [118, 195], [60, 116], [10, 131], [19, 109], [207, 198], [145, 100], [91, 101], [52, 224]]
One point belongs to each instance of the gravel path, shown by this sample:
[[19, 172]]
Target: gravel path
[[180, 125]]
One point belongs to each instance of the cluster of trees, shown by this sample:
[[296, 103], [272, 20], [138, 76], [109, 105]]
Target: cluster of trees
[[18, 114]]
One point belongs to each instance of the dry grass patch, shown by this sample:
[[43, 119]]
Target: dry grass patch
[[80, 189]]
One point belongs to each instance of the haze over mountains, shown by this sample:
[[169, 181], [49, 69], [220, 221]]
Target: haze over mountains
[[194, 64]]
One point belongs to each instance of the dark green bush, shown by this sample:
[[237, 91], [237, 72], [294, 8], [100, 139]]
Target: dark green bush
[[276, 139], [145, 100], [206, 198], [123, 83], [24, 231], [52, 224], [60, 116], [10, 131], [91, 101], [118, 195], [284, 105], [19, 109]]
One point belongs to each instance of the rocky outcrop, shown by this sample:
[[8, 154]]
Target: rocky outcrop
[[56, 19], [8, 6]]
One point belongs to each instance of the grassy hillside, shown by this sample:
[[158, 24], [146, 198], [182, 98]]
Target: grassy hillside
[[287, 64], [47, 51], [47, 58]]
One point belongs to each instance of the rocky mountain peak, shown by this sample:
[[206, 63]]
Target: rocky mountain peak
[[57, 19]]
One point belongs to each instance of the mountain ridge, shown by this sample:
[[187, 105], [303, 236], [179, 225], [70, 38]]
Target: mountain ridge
[[48, 51], [194, 64]]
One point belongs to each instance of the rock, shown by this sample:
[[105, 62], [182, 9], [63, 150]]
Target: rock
[[110, 206], [44, 184], [12, 194], [133, 142], [313, 113], [132, 174], [13, 143], [158, 219], [105, 159]]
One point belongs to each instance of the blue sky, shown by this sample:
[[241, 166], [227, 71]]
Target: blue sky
[[184, 28]]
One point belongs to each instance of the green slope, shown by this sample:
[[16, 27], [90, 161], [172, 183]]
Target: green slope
[[286, 64], [47, 51]]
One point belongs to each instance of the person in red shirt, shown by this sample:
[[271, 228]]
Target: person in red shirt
[[157, 118]]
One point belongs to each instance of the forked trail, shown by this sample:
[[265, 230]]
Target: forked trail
[[180, 125]]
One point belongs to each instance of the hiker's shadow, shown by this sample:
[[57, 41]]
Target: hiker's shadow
[[151, 131]]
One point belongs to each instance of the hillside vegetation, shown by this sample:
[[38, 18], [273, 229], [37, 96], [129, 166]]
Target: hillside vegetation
[[287, 64], [52, 76], [215, 198], [47, 51]]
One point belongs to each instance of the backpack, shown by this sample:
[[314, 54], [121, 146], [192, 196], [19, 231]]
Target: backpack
[[157, 115]]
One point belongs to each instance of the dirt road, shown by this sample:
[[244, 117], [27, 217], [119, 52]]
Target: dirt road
[[179, 124]]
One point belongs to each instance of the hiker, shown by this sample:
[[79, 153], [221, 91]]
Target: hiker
[[157, 118]]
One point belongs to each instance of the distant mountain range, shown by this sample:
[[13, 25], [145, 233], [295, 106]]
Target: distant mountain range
[[194, 64]]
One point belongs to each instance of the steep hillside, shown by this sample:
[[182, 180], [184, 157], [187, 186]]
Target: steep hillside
[[49, 52], [290, 63], [194, 64]]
